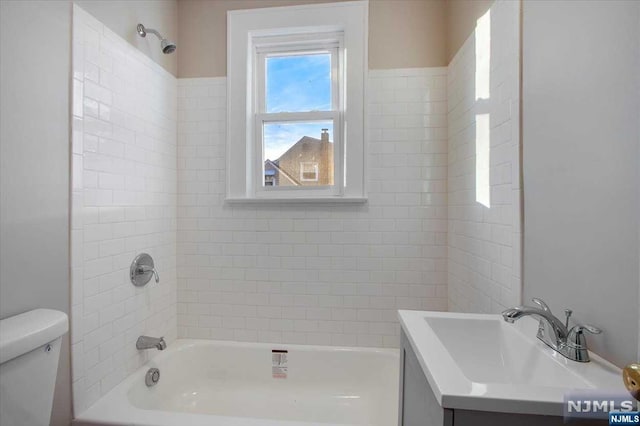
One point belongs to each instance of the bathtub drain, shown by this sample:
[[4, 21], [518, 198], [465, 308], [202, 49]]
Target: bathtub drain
[[152, 377]]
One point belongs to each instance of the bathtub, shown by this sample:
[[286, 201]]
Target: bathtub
[[214, 383]]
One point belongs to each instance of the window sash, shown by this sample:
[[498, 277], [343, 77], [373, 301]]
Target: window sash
[[290, 46], [265, 191], [261, 80]]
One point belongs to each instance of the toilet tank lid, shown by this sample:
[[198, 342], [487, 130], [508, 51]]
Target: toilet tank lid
[[24, 332]]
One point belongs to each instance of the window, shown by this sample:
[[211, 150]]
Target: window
[[309, 172], [295, 109], [298, 110]]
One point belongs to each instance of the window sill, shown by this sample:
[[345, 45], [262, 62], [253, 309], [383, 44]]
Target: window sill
[[319, 200]]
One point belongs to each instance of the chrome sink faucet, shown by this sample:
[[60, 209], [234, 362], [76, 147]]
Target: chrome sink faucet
[[570, 343], [146, 342]]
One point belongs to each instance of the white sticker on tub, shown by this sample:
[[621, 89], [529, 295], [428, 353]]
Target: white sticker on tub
[[279, 363]]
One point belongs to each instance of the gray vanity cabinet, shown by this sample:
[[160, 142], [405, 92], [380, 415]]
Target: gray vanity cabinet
[[419, 407]]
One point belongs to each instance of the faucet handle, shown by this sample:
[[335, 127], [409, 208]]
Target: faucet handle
[[590, 328], [576, 337], [541, 303]]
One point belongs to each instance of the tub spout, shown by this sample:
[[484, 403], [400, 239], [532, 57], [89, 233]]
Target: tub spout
[[146, 342]]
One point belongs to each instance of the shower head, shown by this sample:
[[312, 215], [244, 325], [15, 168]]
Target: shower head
[[166, 45]]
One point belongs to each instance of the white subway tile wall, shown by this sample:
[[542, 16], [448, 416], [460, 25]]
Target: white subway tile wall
[[124, 193], [484, 271], [316, 274], [149, 175]]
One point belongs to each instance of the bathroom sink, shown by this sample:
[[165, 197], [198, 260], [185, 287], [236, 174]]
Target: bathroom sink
[[480, 362], [500, 354]]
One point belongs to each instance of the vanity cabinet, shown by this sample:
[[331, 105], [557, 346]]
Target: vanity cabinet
[[419, 406]]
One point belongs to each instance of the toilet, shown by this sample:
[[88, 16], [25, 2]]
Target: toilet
[[29, 351]]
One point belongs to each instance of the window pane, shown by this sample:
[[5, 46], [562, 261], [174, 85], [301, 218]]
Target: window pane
[[298, 83], [298, 154]]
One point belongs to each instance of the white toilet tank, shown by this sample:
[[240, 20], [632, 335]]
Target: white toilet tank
[[29, 353]]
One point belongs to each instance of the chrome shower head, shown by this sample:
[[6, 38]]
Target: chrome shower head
[[166, 45]]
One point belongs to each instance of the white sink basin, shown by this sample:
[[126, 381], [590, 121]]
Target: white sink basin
[[480, 362]]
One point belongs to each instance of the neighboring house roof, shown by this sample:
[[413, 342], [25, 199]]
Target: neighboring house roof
[[284, 174], [274, 164], [304, 139]]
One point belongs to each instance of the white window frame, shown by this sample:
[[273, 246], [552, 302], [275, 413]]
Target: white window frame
[[250, 34], [299, 44]]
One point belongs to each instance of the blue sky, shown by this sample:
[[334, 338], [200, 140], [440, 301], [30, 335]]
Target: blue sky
[[296, 83], [299, 83]]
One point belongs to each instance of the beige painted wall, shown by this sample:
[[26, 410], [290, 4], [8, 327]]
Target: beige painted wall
[[402, 33], [461, 17], [429, 32], [122, 17], [406, 34]]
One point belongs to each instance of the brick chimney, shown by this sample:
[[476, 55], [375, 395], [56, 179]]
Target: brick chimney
[[324, 136]]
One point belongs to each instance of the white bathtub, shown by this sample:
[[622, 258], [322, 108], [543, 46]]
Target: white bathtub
[[212, 383]]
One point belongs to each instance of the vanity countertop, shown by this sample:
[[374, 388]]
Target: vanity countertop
[[480, 362]]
